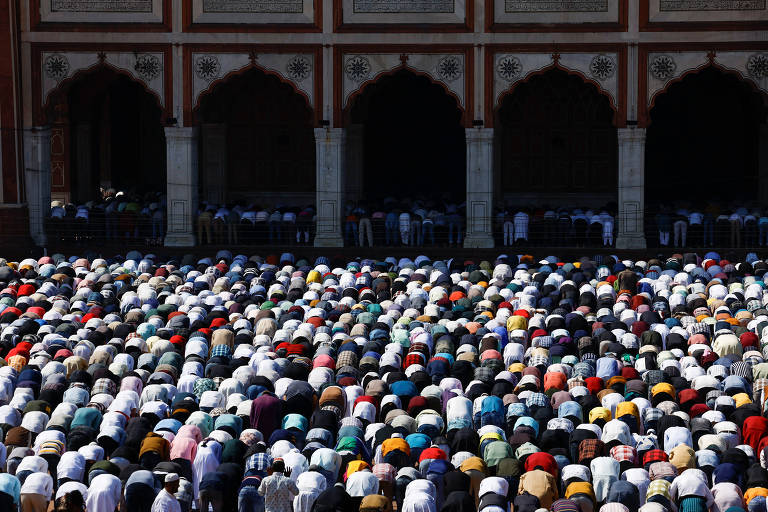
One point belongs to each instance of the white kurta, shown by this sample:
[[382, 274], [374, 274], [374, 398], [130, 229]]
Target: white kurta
[[165, 502]]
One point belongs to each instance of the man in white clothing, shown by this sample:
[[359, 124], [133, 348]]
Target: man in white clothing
[[166, 501], [36, 492]]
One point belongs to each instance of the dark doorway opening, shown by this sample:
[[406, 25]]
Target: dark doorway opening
[[413, 140], [557, 143], [703, 142], [116, 137], [269, 141]]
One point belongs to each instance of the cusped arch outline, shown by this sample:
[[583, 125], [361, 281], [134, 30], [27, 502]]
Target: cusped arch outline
[[66, 84], [235, 73], [744, 80], [557, 66], [363, 86]]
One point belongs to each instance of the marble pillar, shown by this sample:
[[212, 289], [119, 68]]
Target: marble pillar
[[479, 188], [182, 162], [37, 179], [329, 155], [631, 231]]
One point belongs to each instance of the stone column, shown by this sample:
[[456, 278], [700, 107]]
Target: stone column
[[354, 162], [762, 163], [181, 151], [631, 231], [214, 148], [329, 157], [479, 188], [37, 179]]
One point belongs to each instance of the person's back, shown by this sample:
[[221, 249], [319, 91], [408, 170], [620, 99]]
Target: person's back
[[278, 489]]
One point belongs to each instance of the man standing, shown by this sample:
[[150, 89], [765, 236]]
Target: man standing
[[166, 501], [278, 489]]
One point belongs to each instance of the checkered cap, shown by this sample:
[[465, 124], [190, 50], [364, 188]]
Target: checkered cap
[[624, 453]]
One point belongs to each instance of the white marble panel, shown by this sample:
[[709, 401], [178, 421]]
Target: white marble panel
[[661, 11], [146, 67], [752, 65], [447, 69], [253, 11], [403, 11], [663, 67], [556, 11], [101, 11], [297, 68], [600, 68]]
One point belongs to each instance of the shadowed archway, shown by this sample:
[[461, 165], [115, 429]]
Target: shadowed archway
[[557, 143], [413, 143], [258, 141], [106, 133], [704, 141]]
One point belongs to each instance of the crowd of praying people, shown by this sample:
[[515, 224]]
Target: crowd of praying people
[[141, 218], [124, 217], [736, 225], [275, 383]]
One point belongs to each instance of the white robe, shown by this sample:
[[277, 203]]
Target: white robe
[[103, 493], [165, 502], [310, 485]]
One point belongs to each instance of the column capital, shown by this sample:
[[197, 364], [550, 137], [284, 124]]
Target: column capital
[[479, 134], [631, 134], [181, 132], [330, 134]]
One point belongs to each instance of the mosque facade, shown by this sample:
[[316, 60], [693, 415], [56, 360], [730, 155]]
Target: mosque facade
[[567, 102]]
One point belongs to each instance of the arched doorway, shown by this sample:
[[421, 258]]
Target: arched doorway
[[107, 134], [412, 142], [703, 143], [557, 144], [258, 143]]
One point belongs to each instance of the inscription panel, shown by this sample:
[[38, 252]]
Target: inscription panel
[[511, 6], [253, 12], [101, 5], [101, 11], [403, 12], [253, 6], [555, 11], [711, 5], [707, 11], [403, 6]]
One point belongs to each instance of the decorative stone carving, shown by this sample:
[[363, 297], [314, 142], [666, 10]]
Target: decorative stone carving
[[357, 68], [56, 66], [101, 6], [556, 6], [147, 67], [711, 5], [253, 6], [450, 68], [299, 68], [207, 67], [757, 65], [509, 67], [403, 6], [662, 67], [602, 67]]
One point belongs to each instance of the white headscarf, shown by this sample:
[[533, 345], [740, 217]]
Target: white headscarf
[[310, 484]]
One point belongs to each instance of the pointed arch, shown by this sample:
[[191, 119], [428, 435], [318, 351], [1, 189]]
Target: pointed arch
[[375, 81]]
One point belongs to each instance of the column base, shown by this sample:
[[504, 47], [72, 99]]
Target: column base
[[477, 241], [630, 242], [329, 241], [180, 240]]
